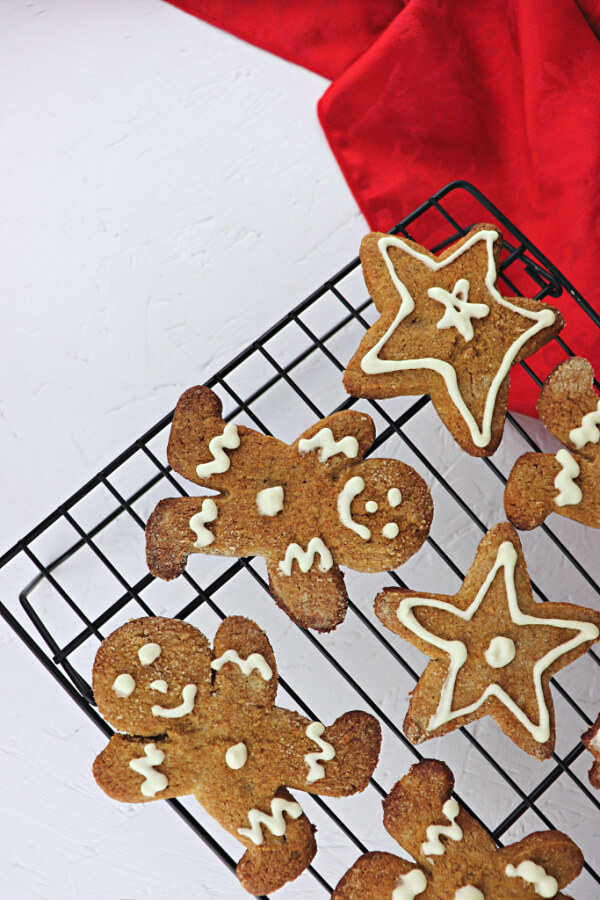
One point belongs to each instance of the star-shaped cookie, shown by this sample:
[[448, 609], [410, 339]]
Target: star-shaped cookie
[[444, 329], [493, 648]]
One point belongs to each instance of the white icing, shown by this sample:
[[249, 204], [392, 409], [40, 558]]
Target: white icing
[[372, 364], [390, 530], [433, 846], [500, 652], [208, 513], [123, 685], [589, 430], [595, 741], [186, 706], [353, 487], [459, 311], [236, 756], [254, 661], [306, 558], [326, 752], [394, 497], [159, 685], [456, 650], [468, 892], [275, 822], [220, 462], [545, 885], [148, 653], [270, 501], [154, 781], [409, 885], [371, 506], [328, 446], [569, 493]]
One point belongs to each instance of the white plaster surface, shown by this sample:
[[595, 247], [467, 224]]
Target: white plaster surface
[[167, 194]]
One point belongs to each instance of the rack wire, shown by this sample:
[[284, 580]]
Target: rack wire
[[81, 579]]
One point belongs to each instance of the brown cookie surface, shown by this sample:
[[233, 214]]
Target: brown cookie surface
[[568, 482], [445, 330], [493, 649], [456, 859], [204, 722], [307, 508], [591, 740]]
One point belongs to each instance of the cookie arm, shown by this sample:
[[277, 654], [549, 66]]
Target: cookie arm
[[423, 798], [337, 441], [207, 450], [558, 855], [137, 770], [315, 598], [538, 480], [185, 525], [336, 761], [243, 666]]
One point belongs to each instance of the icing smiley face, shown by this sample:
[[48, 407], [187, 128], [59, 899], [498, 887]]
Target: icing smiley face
[[147, 690]]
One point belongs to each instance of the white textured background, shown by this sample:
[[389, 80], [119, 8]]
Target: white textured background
[[166, 194]]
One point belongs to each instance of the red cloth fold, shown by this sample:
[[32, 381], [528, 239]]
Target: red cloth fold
[[504, 94]]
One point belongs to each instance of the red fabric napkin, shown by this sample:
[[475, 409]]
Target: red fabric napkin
[[504, 94]]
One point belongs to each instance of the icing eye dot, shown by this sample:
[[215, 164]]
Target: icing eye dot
[[500, 652], [148, 653], [394, 497], [160, 685], [390, 530], [371, 506], [123, 685]]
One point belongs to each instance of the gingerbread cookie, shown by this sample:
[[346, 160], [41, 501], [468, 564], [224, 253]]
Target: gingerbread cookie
[[567, 482], [591, 740], [493, 648], [204, 723], [456, 857], [307, 508], [445, 330]]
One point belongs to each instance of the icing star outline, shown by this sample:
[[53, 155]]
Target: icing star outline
[[386, 286], [503, 544]]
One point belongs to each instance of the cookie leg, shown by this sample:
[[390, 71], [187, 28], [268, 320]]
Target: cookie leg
[[314, 599], [277, 859]]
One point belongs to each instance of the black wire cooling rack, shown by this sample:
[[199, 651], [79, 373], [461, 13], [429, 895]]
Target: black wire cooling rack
[[83, 571]]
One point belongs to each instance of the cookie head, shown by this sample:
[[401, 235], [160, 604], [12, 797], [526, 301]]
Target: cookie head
[[384, 513], [152, 675]]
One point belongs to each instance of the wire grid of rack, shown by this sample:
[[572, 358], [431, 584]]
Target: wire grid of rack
[[281, 383]]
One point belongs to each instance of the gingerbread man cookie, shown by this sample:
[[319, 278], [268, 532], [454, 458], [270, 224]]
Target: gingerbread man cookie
[[445, 330], [204, 723], [567, 482], [456, 857], [307, 508], [493, 648], [591, 740]]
